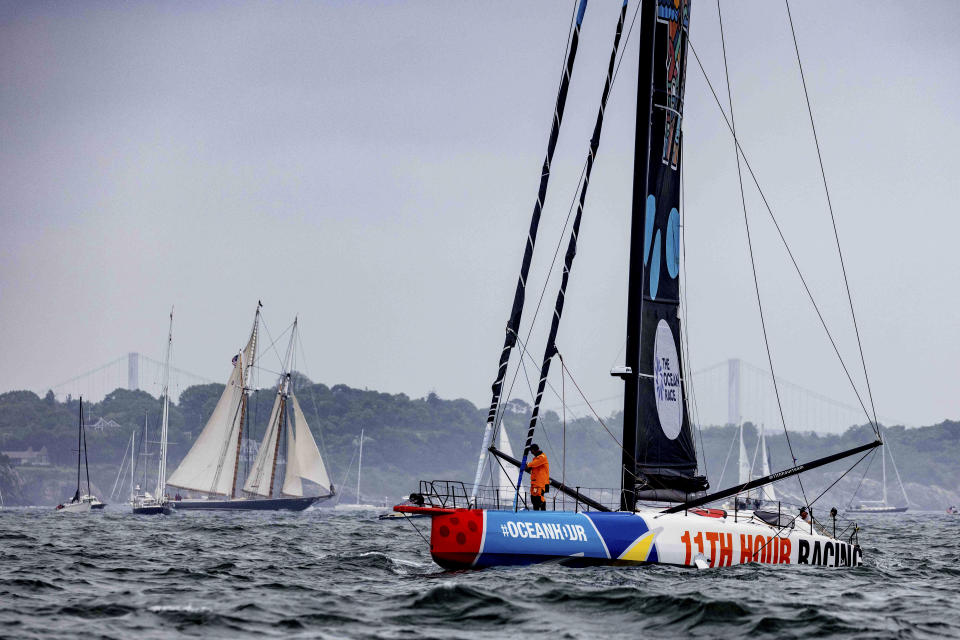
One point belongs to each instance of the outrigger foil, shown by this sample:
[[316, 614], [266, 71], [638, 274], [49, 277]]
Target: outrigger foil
[[478, 538]]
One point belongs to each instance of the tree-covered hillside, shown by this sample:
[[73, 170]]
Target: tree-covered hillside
[[409, 439]]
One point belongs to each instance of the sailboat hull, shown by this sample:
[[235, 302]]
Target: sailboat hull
[[478, 538], [878, 510], [247, 504], [153, 510]]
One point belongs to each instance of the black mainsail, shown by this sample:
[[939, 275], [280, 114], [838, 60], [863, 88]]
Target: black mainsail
[[659, 458]]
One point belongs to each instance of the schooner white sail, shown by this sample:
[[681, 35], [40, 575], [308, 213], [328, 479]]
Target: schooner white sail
[[211, 466]]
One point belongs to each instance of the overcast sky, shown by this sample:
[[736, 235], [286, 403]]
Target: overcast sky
[[372, 167]]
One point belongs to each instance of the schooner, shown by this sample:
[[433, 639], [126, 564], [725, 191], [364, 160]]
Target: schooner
[[211, 467]]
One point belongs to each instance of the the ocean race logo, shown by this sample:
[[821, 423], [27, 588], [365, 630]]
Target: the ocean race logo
[[666, 381]]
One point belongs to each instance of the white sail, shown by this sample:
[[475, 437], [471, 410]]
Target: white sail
[[506, 481], [210, 465], [304, 461], [744, 461], [258, 482], [766, 492]]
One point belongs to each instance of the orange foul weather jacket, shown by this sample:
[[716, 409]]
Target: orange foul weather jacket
[[539, 474]]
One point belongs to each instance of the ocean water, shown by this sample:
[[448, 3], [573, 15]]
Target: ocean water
[[347, 575]]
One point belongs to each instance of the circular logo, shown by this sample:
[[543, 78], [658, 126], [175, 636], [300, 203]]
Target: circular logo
[[666, 381]]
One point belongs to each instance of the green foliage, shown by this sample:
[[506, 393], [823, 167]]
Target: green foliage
[[409, 439]]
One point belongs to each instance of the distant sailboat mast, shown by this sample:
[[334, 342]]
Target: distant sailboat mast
[[359, 465], [211, 464], [162, 469]]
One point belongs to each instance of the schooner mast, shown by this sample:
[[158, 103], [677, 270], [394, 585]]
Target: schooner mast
[[210, 466]]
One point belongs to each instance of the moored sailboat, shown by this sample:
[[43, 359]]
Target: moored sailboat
[[211, 467], [660, 517], [883, 504], [81, 502]]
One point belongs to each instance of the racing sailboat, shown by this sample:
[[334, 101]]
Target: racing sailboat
[[660, 516], [212, 464], [87, 501]]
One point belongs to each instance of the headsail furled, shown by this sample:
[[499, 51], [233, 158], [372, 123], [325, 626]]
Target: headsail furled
[[659, 459]]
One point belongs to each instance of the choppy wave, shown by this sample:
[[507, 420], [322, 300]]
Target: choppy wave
[[318, 574]]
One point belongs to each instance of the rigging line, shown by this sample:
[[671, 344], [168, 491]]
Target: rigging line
[[810, 506], [857, 490], [525, 352], [563, 366], [903, 489], [686, 315], [627, 40], [415, 528], [313, 399], [753, 264], [546, 282], [346, 474], [833, 219], [270, 346], [783, 238], [723, 471]]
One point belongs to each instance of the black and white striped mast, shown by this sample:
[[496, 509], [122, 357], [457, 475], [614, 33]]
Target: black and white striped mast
[[513, 323], [551, 349]]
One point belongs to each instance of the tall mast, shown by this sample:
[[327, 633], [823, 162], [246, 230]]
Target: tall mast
[[659, 460], [244, 400], [359, 465], [635, 295], [516, 311], [133, 458], [883, 467], [76, 496], [284, 391], [162, 469], [86, 460]]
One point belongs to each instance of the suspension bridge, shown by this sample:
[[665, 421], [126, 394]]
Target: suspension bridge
[[735, 391], [133, 371]]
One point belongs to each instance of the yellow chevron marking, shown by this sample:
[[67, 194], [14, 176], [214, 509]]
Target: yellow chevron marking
[[640, 549]]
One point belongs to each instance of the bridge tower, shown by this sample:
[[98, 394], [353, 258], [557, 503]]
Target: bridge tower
[[133, 371], [734, 415]]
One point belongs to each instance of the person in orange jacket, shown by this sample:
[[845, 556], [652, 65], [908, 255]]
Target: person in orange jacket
[[539, 468]]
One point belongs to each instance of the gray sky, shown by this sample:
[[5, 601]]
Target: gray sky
[[372, 167]]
